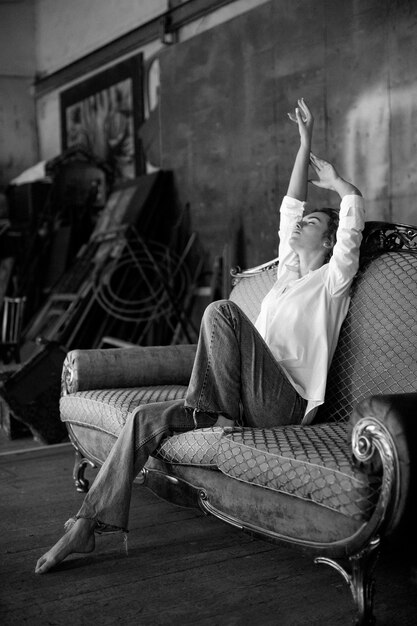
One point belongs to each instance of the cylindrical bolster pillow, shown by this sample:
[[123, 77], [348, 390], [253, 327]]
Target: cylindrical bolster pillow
[[127, 367]]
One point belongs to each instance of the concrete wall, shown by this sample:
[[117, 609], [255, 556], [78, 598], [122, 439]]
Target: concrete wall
[[67, 31], [39, 37], [224, 93], [18, 136], [224, 131]]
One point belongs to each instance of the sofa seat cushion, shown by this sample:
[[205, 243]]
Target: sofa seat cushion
[[309, 462], [195, 447], [252, 507], [106, 410]]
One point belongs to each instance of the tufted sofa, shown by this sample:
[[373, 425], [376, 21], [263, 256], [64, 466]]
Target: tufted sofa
[[337, 487]]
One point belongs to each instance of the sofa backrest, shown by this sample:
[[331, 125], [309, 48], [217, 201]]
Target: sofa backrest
[[251, 286], [377, 348]]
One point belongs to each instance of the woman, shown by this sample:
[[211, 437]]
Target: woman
[[274, 370]]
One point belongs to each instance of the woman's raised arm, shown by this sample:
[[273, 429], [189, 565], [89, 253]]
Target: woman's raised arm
[[328, 178], [297, 187]]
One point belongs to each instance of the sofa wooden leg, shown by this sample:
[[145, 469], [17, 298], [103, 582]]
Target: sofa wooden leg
[[80, 463], [360, 580]]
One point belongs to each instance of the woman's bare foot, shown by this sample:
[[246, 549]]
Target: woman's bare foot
[[78, 538]]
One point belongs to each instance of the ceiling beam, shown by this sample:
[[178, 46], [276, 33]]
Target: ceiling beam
[[163, 27]]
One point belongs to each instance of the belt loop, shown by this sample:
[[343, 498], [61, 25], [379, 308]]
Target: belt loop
[[195, 418]]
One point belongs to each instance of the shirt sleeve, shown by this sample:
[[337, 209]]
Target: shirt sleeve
[[291, 212], [344, 262]]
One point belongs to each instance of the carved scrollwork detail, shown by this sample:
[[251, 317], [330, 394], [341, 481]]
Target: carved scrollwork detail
[[400, 238], [369, 434], [67, 376], [386, 237], [370, 437], [80, 465], [237, 273]]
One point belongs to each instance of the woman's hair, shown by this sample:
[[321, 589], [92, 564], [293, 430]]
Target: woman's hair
[[333, 216], [333, 225]]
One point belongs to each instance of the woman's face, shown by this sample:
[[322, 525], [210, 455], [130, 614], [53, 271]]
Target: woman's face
[[310, 232]]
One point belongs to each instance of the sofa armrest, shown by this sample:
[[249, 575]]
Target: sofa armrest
[[384, 429], [127, 367]]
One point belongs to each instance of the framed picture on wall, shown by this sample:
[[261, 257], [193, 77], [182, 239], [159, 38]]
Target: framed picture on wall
[[103, 114]]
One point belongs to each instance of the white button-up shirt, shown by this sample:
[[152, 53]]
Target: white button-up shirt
[[301, 316]]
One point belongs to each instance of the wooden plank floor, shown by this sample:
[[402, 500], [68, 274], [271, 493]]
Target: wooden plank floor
[[182, 569]]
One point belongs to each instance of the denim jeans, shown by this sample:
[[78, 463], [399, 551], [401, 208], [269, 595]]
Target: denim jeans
[[234, 374], [108, 500]]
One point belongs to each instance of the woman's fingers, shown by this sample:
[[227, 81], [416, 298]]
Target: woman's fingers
[[302, 113], [314, 165], [317, 163], [298, 114], [302, 118], [303, 106], [297, 117]]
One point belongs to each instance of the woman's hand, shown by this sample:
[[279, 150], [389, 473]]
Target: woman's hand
[[325, 171], [303, 117], [328, 178]]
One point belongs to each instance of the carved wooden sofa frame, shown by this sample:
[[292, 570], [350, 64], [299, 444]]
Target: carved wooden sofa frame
[[372, 404]]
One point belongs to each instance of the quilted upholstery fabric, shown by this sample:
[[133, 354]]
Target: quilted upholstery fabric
[[107, 409], [377, 348], [250, 290], [312, 463], [195, 447]]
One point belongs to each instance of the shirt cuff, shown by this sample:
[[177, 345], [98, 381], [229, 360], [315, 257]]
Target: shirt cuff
[[292, 205], [351, 204]]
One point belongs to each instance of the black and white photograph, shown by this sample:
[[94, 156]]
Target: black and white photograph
[[208, 312]]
